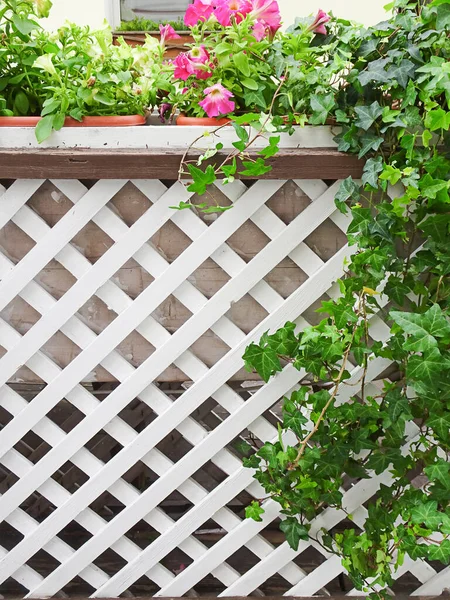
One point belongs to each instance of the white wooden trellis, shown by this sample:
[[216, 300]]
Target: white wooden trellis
[[22, 280]]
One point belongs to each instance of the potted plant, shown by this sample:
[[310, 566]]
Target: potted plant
[[136, 32], [72, 77], [227, 68]]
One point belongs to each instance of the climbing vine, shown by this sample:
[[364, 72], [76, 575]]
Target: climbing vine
[[393, 309]]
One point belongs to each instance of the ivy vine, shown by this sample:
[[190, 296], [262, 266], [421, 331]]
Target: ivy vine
[[393, 101]]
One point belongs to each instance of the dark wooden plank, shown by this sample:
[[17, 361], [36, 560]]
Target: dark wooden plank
[[81, 163]]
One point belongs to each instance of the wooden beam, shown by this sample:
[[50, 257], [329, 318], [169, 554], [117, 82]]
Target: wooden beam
[[81, 163]]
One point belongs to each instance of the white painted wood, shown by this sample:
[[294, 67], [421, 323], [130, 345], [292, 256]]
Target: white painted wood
[[177, 348], [155, 431], [154, 136]]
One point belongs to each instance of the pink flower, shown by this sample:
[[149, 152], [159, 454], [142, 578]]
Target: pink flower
[[195, 62], [217, 101], [259, 30], [231, 9], [183, 66], [168, 33], [200, 10], [266, 12], [318, 25], [199, 58]]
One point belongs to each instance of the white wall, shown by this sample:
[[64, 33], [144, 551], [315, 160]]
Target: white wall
[[92, 12], [83, 12], [368, 12]]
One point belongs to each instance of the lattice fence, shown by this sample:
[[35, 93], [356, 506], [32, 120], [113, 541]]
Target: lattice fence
[[124, 405]]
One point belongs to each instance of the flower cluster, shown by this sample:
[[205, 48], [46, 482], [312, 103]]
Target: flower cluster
[[233, 64], [265, 14]]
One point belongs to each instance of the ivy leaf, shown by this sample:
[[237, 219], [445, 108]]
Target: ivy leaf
[[269, 453], [255, 168], [437, 119], [380, 461], [427, 367], [294, 532], [428, 514], [372, 169], [402, 72], [440, 552], [264, 360], [439, 471], [423, 328], [272, 148], [321, 105], [369, 141], [440, 425], [201, 179], [254, 511], [375, 72], [443, 16], [348, 189], [367, 115]]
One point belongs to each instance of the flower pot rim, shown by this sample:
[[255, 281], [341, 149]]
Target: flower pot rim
[[88, 121], [183, 120]]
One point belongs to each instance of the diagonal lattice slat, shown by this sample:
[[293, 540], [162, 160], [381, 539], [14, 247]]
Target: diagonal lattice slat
[[144, 454]]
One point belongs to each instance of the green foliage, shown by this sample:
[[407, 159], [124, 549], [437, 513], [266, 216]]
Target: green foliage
[[393, 104], [72, 72], [142, 24]]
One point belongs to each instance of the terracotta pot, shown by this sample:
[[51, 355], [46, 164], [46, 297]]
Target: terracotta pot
[[202, 121], [173, 47], [99, 121]]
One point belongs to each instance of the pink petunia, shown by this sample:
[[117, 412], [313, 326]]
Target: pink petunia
[[183, 67], [217, 101], [259, 31], [200, 10], [226, 10], [266, 12], [168, 33], [195, 62], [318, 25], [199, 57]]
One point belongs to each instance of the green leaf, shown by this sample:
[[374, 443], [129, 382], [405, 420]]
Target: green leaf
[[321, 105], [50, 107], [440, 552], [439, 471], [437, 119], [44, 128], [367, 115], [427, 367], [240, 59], [272, 148], [440, 425], [401, 73], [254, 511], [251, 84], [348, 189], [369, 141], [25, 26], [423, 328], [294, 532], [428, 514], [201, 179], [443, 16], [264, 360], [21, 103], [372, 169], [255, 168]]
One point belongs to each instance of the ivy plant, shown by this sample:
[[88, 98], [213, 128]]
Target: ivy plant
[[336, 429]]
